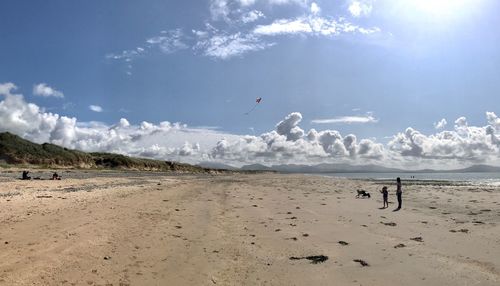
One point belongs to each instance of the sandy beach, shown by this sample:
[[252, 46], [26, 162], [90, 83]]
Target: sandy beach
[[117, 228]]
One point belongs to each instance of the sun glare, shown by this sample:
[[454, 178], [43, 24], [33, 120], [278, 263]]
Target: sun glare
[[440, 8]]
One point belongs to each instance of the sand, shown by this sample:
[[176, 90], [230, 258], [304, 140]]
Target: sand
[[116, 228]]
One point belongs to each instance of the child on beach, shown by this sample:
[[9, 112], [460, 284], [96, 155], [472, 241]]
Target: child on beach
[[385, 194]]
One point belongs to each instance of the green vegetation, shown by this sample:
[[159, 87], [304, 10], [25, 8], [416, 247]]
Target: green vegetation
[[17, 151]]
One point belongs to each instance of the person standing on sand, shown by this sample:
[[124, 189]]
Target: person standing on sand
[[399, 193], [385, 195]]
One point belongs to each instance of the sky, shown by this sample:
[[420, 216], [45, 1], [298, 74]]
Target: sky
[[400, 83]]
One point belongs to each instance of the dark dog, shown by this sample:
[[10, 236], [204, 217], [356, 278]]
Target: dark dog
[[362, 194]]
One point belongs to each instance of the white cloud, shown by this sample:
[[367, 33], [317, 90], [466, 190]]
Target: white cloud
[[287, 143], [311, 25], [251, 16], [284, 26], [464, 143], [126, 55], [169, 41], [440, 124], [282, 2], [7, 88], [223, 46], [95, 108], [271, 2], [173, 141], [315, 9], [246, 2], [219, 9], [347, 120], [236, 39], [42, 89], [359, 8], [289, 127]]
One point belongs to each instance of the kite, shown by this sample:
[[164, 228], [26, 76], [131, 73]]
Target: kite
[[257, 101]]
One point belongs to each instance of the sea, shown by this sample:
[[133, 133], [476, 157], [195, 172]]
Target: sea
[[480, 178]]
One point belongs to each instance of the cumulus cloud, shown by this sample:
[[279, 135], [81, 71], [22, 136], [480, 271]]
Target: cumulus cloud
[[441, 124], [42, 89], [464, 143], [347, 120], [359, 8], [95, 108], [165, 140], [289, 127], [288, 142]]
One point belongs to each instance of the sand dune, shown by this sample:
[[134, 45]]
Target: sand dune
[[117, 228]]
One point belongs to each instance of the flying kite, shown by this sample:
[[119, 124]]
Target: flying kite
[[257, 101]]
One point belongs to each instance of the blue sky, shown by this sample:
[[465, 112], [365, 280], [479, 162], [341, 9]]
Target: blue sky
[[363, 67]]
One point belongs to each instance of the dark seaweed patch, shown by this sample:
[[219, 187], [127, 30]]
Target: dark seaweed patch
[[314, 259]]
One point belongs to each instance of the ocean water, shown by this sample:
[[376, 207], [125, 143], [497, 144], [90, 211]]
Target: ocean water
[[484, 178]]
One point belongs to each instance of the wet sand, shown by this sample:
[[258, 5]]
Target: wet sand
[[117, 228]]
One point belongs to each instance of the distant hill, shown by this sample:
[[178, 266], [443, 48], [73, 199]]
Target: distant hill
[[321, 168], [478, 169], [14, 150], [215, 165], [257, 167], [346, 168]]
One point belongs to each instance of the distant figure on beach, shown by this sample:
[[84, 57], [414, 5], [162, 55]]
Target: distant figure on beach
[[25, 175], [385, 194], [55, 176], [399, 193]]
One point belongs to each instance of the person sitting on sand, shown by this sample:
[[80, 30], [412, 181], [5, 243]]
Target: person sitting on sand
[[399, 194], [55, 176], [25, 175], [385, 194]]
